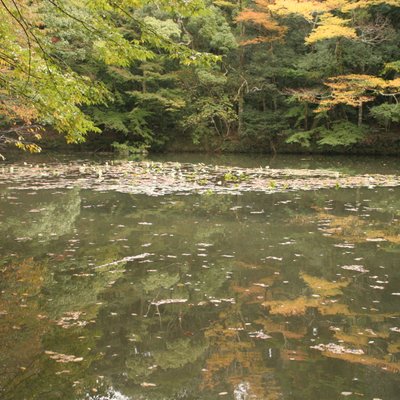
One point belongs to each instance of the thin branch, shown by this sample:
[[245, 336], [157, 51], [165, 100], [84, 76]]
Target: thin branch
[[14, 63], [19, 22], [29, 45]]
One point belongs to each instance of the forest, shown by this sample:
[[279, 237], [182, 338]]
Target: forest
[[216, 210], [134, 76]]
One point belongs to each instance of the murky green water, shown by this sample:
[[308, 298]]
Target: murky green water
[[259, 296]]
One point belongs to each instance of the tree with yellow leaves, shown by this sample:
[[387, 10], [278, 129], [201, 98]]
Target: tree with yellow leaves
[[262, 19], [356, 90], [328, 18]]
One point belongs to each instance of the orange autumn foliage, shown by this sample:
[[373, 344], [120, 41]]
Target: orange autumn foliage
[[262, 18]]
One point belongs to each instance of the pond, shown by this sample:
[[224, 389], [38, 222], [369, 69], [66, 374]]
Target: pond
[[250, 295]]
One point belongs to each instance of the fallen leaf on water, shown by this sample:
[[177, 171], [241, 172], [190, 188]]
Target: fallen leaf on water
[[337, 349], [259, 335], [63, 358], [64, 371], [147, 384], [357, 268], [168, 301]]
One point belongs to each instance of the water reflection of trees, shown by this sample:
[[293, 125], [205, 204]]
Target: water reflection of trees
[[248, 321], [40, 216]]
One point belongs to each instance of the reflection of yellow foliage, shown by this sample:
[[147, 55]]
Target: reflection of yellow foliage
[[331, 308], [300, 305], [294, 355], [251, 294], [323, 287], [256, 292], [392, 238], [360, 337], [355, 229], [366, 360], [245, 265], [350, 226], [290, 307], [320, 287], [228, 350], [248, 291], [302, 219], [355, 339], [271, 327], [393, 347], [240, 361]]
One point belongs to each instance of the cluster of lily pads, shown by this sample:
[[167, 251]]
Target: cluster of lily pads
[[156, 178]]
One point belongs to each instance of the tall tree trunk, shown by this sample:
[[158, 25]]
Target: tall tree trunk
[[275, 103], [272, 146], [338, 55], [240, 112], [306, 116], [360, 114]]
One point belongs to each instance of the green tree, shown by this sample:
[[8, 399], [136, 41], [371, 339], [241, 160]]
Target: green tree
[[40, 85]]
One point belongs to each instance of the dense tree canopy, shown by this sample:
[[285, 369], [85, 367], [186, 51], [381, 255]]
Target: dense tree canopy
[[52, 53], [227, 75]]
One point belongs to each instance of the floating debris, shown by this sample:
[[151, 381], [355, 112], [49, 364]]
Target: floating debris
[[71, 319], [158, 179], [63, 358], [345, 245], [168, 301], [217, 301], [356, 268], [147, 384], [336, 349], [259, 335], [126, 259]]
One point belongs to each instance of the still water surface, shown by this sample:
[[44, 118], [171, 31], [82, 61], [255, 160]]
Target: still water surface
[[108, 295]]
